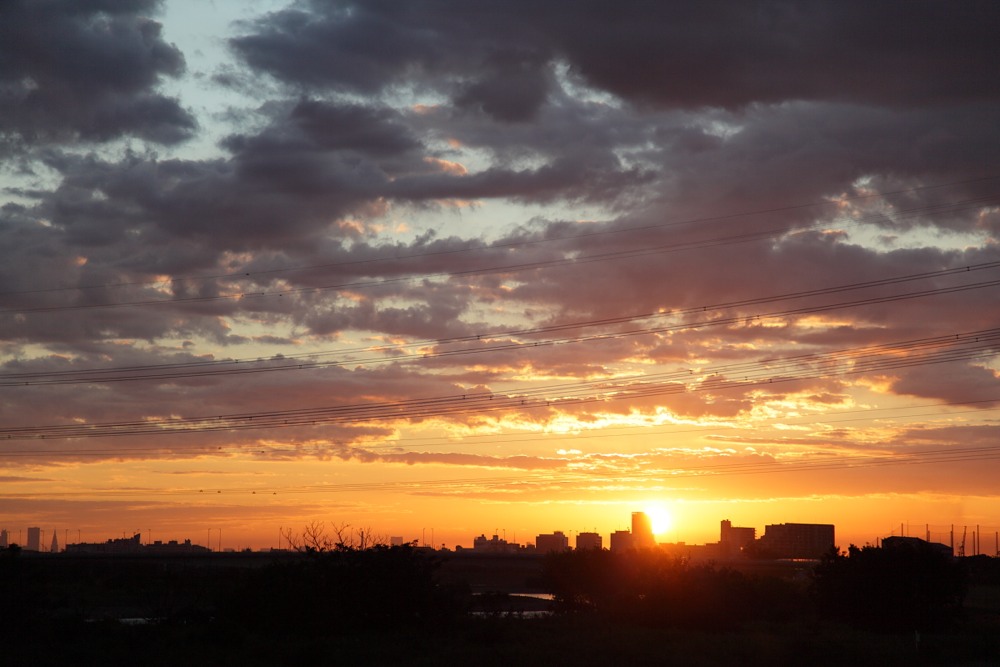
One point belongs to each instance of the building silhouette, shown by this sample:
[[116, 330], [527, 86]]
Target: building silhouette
[[797, 540], [34, 539], [174, 547], [54, 548], [588, 541], [642, 531], [121, 545], [4, 539], [732, 538], [641, 536], [621, 540], [916, 544], [551, 542], [493, 545], [133, 545]]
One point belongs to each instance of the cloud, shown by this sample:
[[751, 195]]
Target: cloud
[[708, 55], [552, 200], [87, 72]]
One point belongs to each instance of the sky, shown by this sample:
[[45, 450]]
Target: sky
[[438, 269]]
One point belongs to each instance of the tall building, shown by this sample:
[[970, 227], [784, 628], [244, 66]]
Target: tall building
[[34, 539], [642, 531], [551, 542], [54, 548], [588, 541], [797, 540], [4, 539]]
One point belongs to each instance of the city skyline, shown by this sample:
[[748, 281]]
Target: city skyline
[[440, 267], [963, 540]]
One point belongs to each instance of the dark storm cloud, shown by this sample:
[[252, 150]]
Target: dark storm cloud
[[86, 70], [706, 54], [723, 54], [474, 56], [282, 190], [512, 90]]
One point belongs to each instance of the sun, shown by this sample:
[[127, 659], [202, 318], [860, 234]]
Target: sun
[[660, 518]]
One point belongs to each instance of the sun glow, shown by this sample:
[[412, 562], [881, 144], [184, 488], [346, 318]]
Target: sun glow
[[660, 519]]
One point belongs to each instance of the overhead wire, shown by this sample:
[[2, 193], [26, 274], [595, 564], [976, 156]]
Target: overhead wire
[[174, 371], [875, 358], [407, 446], [867, 362]]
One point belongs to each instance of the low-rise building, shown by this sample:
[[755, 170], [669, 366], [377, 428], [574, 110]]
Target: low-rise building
[[621, 540], [797, 540], [732, 538], [493, 545], [588, 541]]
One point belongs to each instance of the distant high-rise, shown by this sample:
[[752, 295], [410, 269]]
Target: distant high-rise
[[642, 531], [4, 543], [588, 541], [34, 539], [551, 542], [54, 548]]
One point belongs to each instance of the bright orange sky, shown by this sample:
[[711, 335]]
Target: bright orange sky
[[441, 274]]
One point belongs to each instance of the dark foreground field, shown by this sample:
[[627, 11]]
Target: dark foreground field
[[400, 607], [578, 640]]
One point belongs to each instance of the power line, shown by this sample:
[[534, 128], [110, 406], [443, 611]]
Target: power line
[[285, 363], [990, 405], [876, 358]]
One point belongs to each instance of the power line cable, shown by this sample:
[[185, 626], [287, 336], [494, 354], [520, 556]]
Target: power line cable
[[879, 358], [284, 363]]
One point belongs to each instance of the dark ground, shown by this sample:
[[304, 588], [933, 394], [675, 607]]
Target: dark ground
[[400, 608]]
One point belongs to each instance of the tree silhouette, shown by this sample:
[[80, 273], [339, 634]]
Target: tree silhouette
[[340, 590], [650, 587], [910, 586]]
